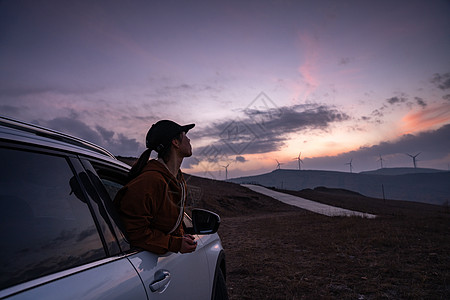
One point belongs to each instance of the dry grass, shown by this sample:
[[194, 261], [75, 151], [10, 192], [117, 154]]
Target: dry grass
[[298, 256], [276, 251]]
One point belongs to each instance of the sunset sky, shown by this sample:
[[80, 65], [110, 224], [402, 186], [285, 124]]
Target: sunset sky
[[338, 81]]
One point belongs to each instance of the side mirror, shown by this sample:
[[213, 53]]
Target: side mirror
[[205, 221]]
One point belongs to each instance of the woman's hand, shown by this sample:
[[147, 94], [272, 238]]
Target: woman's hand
[[188, 244]]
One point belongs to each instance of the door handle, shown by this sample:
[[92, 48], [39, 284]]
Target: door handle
[[161, 282]]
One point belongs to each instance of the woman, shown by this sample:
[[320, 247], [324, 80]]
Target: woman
[[151, 204]]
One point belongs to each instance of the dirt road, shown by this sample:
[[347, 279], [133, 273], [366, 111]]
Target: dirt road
[[313, 206]]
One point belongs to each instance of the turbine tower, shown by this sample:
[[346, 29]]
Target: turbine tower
[[381, 161], [226, 171], [350, 164], [414, 158], [300, 161], [278, 165]]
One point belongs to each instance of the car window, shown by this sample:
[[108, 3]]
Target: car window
[[45, 224], [89, 182], [111, 187], [109, 181]]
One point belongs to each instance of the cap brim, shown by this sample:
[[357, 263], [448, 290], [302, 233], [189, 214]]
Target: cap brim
[[188, 127]]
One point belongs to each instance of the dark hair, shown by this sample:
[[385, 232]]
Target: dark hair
[[139, 165]]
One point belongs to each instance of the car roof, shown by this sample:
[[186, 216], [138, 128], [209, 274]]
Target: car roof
[[18, 131]]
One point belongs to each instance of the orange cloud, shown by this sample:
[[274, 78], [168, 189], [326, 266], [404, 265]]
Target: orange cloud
[[426, 119], [309, 49]]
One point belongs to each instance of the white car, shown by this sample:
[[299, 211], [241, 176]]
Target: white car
[[61, 238]]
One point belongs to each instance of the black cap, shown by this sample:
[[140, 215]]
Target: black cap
[[161, 134]]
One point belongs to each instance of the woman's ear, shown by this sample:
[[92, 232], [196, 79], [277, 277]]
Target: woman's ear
[[176, 143]]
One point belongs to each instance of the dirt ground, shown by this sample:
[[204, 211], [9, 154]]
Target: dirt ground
[[276, 251]]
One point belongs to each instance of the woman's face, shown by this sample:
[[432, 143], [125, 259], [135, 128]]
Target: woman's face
[[185, 145]]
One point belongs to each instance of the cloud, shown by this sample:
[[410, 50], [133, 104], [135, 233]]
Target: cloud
[[73, 127], [435, 142], [433, 145], [261, 131], [240, 159], [9, 110], [308, 68], [293, 118], [441, 81], [118, 144], [17, 91], [427, 118], [169, 92], [380, 112], [420, 102], [106, 134], [123, 145], [395, 100]]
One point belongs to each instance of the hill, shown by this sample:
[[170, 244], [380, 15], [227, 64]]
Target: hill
[[401, 171], [277, 251], [427, 187], [230, 199]]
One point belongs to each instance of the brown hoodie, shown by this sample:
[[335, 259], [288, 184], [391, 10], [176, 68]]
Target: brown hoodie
[[149, 207]]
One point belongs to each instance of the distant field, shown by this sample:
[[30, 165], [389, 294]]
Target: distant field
[[276, 251]]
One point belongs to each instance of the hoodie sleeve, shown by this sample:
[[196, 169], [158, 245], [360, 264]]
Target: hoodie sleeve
[[138, 206]]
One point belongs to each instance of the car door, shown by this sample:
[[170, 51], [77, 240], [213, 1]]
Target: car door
[[51, 245], [169, 276], [175, 275], [103, 280]]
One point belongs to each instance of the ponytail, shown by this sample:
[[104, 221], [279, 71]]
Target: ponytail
[[139, 165]]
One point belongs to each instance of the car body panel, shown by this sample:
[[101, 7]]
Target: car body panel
[[189, 273], [113, 280], [214, 249]]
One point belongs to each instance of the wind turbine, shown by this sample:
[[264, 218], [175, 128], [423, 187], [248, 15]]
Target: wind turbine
[[381, 161], [278, 165], [226, 171], [350, 164], [413, 158], [300, 161]]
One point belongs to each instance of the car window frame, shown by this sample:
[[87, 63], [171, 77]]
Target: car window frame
[[103, 223], [91, 164]]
